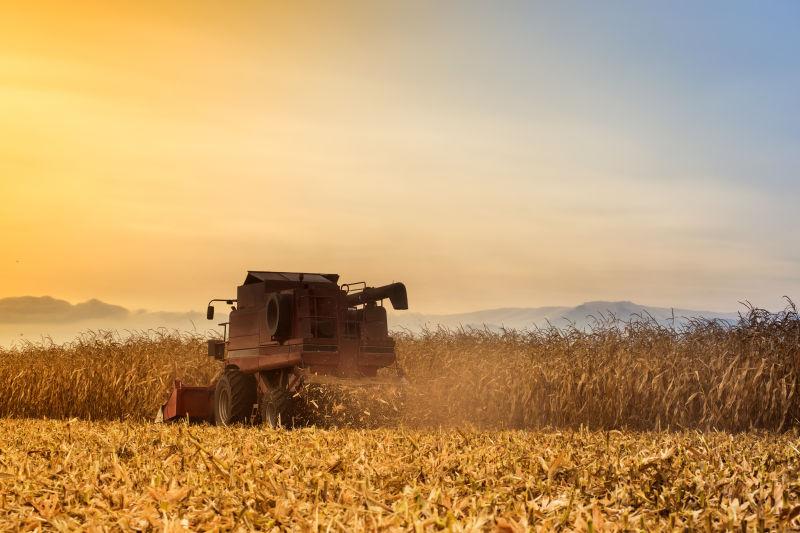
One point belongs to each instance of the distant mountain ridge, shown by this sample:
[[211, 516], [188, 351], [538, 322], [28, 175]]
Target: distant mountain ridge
[[34, 318], [581, 316]]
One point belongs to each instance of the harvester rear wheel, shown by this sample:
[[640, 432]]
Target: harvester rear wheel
[[275, 398], [273, 408], [234, 397]]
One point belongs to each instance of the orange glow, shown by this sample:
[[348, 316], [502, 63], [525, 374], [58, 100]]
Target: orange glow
[[150, 153]]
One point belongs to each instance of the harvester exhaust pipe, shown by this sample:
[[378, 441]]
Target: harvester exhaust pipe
[[396, 292]]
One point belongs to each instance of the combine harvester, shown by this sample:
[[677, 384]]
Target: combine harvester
[[290, 329]]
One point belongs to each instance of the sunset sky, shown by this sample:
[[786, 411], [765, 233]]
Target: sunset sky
[[487, 154]]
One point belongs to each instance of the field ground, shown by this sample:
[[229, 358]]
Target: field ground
[[76, 450], [137, 476]]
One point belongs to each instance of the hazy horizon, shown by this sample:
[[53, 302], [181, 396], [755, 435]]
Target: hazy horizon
[[526, 155], [200, 309], [38, 318]]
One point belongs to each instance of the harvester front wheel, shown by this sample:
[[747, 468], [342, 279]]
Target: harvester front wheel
[[234, 397]]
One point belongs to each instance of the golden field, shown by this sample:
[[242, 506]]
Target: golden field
[[69, 475], [627, 426]]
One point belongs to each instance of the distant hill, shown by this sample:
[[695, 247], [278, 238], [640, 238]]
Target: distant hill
[[580, 316], [32, 318]]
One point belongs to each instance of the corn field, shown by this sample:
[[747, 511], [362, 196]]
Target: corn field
[[633, 375], [131, 476], [505, 431]]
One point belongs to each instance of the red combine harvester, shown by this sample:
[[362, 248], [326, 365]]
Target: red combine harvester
[[288, 329]]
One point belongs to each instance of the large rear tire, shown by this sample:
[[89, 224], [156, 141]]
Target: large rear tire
[[234, 397], [274, 398], [273, 408], [276, 408]]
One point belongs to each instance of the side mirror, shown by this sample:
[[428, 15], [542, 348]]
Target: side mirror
[[210, 312]]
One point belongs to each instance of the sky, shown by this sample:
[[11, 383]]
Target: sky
[[487, 154]]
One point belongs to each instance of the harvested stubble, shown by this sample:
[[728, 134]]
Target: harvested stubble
[[636, 375], [137, 476]]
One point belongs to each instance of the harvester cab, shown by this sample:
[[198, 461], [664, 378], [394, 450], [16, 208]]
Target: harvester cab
[[287, 329]]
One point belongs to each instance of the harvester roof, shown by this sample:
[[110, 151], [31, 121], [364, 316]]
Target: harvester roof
[[255, 276]]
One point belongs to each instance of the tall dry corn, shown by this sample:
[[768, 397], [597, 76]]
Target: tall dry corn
[[636, 375]]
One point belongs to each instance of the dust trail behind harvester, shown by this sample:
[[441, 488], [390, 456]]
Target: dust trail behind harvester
[[635, 375]]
